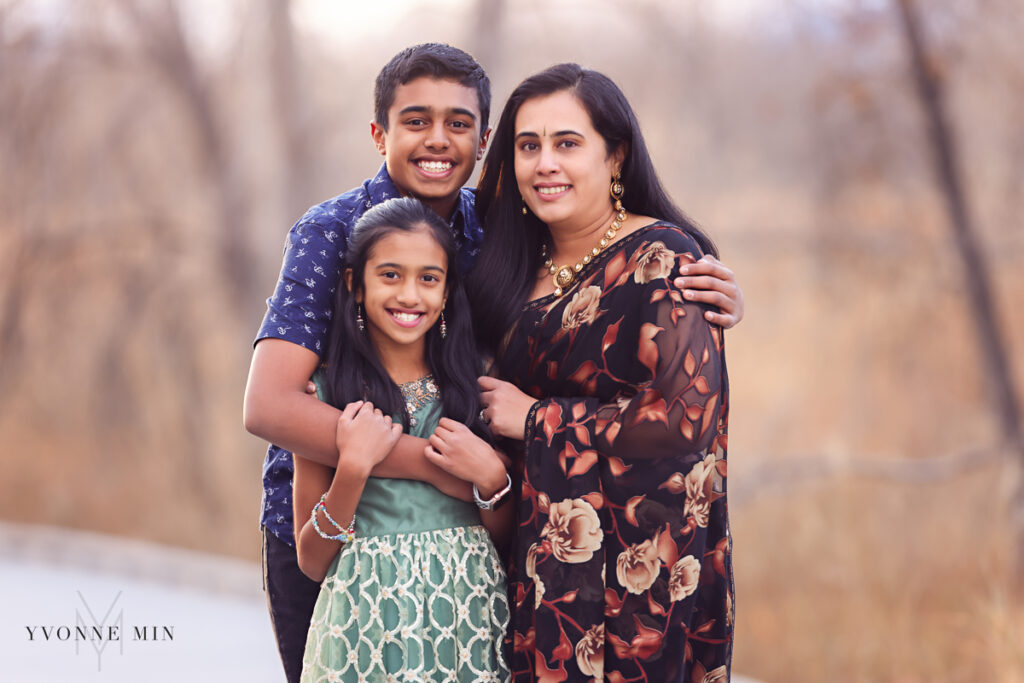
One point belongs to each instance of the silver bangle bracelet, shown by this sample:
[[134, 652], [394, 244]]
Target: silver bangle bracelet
[[496, 498]]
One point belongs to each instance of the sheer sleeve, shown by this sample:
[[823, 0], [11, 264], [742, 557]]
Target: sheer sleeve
[[673, 412]]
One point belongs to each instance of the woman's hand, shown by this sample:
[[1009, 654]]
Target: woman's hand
[[365, 436], [709, 281], [457, 450], [505, 407]]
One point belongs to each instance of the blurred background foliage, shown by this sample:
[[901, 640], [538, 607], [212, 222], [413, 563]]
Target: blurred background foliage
[[153, 154]]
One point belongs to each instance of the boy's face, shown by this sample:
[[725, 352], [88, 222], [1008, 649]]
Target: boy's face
[[433, 140]]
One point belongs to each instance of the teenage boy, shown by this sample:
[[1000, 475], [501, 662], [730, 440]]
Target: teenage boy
[[431, 108]]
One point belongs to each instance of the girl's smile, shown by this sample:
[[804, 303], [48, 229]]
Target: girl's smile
[[403, 293], [406, 318]]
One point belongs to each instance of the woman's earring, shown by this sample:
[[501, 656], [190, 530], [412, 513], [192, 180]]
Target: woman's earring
[[616, 190], [444, 326], [524, 209], [359, 318]]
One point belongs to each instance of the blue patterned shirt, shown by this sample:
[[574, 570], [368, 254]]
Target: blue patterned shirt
[[300, 309]]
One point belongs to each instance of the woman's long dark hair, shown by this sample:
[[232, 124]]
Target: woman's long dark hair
[[506, 269], [351, 368]]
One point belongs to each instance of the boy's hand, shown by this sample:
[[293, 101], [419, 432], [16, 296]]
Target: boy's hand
[[457, 450], [709, 281], [365, 436]]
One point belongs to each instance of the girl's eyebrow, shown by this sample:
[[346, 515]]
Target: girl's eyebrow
[[399, 266]]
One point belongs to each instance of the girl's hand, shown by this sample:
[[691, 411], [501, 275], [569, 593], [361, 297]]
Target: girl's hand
[[457, 450], [505, 407], [709, 281], [365, 436]]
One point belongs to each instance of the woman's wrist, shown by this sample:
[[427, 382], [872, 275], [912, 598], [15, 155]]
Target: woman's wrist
[[528, 423]]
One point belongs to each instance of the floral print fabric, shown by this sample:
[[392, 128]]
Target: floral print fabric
[[623, 566]]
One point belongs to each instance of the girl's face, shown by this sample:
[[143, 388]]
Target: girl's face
[[563, 168], [404, 290]]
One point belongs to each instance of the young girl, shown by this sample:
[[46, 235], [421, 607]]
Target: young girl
[[412, 587]]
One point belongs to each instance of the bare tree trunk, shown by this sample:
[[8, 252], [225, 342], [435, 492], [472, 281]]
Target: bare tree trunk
[[163, 37], [487, 38], [13, 291], [289, 107], [976, 269]]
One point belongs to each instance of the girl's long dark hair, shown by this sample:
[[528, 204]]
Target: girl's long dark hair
[[506, 269], [351, 368]]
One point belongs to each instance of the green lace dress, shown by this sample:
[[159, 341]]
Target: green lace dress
[[419, 595]]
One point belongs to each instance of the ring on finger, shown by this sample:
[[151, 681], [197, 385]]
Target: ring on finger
[[483, 417]]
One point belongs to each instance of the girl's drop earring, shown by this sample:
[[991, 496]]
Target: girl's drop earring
[[359, 318], [444, 326]]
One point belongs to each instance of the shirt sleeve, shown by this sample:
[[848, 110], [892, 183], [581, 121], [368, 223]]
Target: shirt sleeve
[[299, 310]]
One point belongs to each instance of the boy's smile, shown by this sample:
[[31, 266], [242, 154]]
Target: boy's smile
[[433, 140]]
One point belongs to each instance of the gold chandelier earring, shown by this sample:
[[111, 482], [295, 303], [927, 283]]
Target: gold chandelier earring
[[616, 190]]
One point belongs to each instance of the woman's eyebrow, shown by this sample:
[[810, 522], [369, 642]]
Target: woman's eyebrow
[[556, 134]]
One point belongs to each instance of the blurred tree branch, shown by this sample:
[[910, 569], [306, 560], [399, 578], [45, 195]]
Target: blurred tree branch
[[782, 476]]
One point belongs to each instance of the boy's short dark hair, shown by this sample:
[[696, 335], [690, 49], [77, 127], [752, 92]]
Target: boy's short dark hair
[[434, 60]]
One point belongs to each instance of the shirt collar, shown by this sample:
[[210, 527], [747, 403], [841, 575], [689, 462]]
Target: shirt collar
[[381, 188]]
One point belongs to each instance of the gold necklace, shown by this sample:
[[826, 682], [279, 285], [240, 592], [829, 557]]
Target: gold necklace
[[563, 276]]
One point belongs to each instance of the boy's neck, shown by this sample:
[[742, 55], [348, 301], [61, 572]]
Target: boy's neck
[[443, 206]]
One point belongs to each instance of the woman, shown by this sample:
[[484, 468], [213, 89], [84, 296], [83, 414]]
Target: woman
[[622, 566]]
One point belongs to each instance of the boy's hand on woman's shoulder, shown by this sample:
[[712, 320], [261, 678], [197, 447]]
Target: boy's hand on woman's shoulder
[[710, 281]]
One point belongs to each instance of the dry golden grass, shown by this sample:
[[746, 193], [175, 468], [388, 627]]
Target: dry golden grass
[[871, 581]]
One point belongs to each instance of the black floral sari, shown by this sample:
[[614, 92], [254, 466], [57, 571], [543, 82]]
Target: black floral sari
[[622, 567]]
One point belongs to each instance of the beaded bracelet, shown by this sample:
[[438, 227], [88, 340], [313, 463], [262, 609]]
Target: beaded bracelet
[[347, 534]]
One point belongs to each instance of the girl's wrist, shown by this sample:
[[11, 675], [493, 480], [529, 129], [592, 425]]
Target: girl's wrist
[[352, 467], [493, 482]]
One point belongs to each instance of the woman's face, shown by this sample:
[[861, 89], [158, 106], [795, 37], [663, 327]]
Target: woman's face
[[562, 165]]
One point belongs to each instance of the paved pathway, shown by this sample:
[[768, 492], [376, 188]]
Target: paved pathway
[[148, 613], [163, 614]]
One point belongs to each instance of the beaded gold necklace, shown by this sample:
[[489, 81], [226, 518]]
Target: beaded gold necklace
[[563, 276]]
